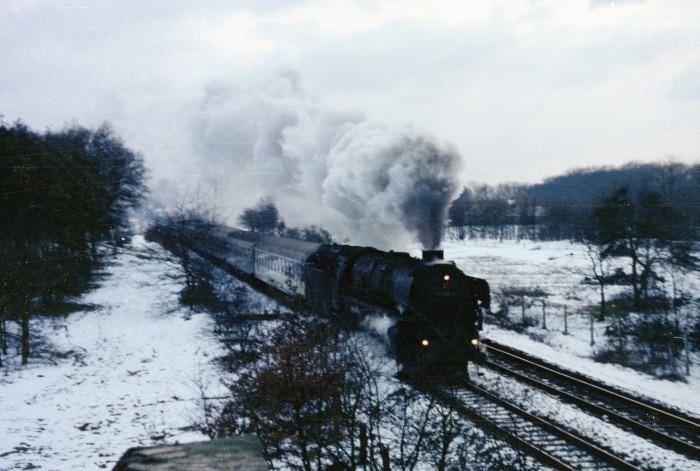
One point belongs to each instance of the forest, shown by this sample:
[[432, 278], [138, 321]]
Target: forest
[[63, 193], [559, 208]]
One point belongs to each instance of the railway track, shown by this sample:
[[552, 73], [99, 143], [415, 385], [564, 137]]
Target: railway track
[[536, 437], [661, 425]]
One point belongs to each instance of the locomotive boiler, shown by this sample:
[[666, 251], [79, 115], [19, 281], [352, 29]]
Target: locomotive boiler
[[435, 310]]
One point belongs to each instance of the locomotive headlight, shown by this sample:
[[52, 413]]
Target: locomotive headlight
[[446, 277], [474, 342], [424, 342]]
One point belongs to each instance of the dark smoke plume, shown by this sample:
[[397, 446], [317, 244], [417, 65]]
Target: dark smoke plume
[[365, 181], [383, 174]]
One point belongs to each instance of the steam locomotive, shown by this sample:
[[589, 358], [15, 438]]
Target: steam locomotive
[[434, 309]]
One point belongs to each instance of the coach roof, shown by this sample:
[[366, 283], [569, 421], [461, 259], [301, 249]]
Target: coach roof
[[292, 249]]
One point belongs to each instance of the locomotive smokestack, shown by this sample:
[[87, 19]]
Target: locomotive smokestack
[[433, 255]]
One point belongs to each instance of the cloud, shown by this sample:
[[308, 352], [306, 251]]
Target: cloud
[[612, 3], [516, 87]]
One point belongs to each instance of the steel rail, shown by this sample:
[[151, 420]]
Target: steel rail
[[562, 441], [677, 444], [494, 428]]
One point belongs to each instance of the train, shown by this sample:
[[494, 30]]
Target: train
[[434, 311]]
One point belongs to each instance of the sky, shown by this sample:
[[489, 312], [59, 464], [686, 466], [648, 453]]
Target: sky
[[521, 90]]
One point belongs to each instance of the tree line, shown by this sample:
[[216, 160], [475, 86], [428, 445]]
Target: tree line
[[264, 218], [62, 193], [558, 208]]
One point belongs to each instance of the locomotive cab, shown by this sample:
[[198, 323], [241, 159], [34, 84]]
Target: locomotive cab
[[443, 329], [436, 308], [442, 317]]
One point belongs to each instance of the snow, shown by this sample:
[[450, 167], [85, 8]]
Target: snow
[[683, 396], [133, 364], [558, 268], [131, 381]]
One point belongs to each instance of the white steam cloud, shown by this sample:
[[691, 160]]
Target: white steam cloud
[[365, 181]]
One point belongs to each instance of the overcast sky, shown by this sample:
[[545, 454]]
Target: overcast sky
[[523, 90]]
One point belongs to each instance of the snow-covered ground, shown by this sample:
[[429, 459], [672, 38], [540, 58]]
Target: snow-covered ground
[[130, 379], [134, 364], [558, 268]]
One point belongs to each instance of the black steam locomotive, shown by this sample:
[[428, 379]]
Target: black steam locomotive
[[434, 310]]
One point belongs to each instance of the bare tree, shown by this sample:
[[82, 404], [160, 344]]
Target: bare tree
[[601, 270], [292, 397], [443, 428], [190, 217]]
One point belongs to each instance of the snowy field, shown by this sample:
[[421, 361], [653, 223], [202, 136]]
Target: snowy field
[[134, 363], [558, 268], [130, 379]]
